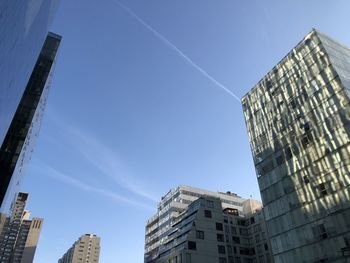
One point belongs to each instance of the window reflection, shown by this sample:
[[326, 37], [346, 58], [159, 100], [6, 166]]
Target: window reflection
[[298, 122]]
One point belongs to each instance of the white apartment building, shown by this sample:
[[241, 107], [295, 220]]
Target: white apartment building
[[173, 204]]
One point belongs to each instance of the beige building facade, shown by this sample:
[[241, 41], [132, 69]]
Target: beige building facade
[[85, 250], [19, 235]]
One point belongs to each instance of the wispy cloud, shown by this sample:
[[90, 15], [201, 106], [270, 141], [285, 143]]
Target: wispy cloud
[[69, 180], [106, 161], [172, 46], [100, 157]]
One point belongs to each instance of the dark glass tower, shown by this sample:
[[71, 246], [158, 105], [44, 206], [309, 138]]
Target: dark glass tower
[[18, 143], [298, 122], [23, 28]]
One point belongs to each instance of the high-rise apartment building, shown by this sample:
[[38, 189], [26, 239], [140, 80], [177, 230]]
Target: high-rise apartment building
[[17, 145], [171, 205], [19, 234], [85, 250], [298, 122], [198, 226]]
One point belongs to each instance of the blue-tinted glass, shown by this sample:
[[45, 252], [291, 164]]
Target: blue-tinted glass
[[18, 144], [23, 28]]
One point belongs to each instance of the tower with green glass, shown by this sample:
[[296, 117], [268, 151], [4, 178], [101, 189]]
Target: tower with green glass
[[298, 122]]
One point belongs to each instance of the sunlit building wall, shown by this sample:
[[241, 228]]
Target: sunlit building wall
[[298, 122], [19, 235], [85, 250]]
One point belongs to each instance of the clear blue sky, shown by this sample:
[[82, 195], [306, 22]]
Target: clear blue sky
[[129, 118]]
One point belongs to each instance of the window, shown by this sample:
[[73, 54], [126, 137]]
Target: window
[[207, 213], [221, 249], [279, 159], [257, 228], [293, 103], [233, 230], [252, 220], [236, 240], [210, 204], [288, 153], [241, 222], [306, 126], [295, 149], [222, 260], [267, 167], [247, 251], [192, 245], [327, 151], [220, 237], [320, 231], [304, 95], [243, 231], [219, 227], [200, 234], [266, 247], [347, 242], [305, 141], [322, 189], [268, 84], [259, 248], [257, 238]]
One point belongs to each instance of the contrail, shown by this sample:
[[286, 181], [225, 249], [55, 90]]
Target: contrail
[[176, 49]]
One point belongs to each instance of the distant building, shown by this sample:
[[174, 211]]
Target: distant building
[[19, 234], [298, 122], [19, 140], [198, 226], [85, 250]]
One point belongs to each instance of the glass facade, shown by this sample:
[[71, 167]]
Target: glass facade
[[23, 27], [298, 122], [18, 144]]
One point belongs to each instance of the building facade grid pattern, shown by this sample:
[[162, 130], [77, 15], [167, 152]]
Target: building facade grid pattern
[[298, 122]]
